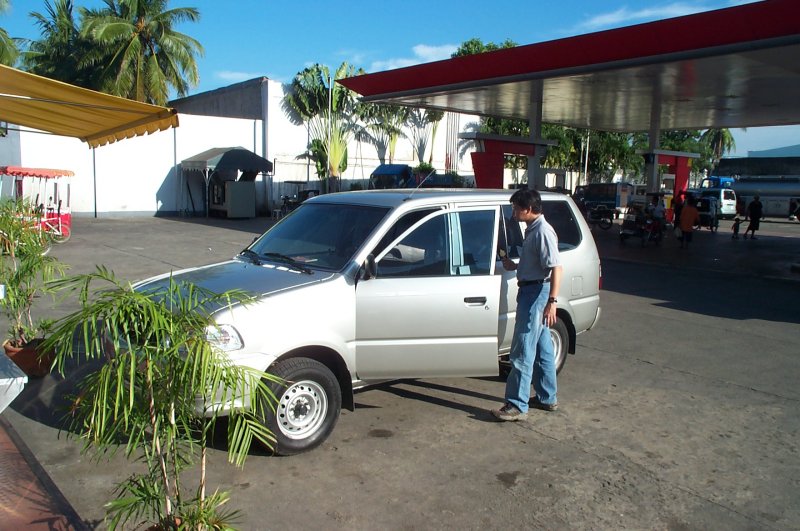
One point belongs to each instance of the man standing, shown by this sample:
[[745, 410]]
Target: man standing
[[690, 217], [532, 354], [755, 212]]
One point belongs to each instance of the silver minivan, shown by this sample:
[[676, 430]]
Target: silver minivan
[[361, 287]]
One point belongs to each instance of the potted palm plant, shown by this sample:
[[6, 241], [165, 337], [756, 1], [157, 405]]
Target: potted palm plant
[[151, 360], [25, 270]]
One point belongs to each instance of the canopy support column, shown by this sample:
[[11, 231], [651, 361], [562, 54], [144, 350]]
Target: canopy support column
[[536, 177], [488, 159]]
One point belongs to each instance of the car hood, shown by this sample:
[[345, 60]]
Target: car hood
[[255, 280]]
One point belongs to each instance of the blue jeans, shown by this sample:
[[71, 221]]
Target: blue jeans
[[532, 355]]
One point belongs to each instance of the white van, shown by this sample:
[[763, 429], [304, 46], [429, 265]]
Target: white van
[[726, 200], [361, 287]]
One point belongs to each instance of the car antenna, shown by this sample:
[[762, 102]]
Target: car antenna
[[420, 184]]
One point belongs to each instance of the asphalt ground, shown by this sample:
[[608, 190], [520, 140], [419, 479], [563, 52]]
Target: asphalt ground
[[680, 410]]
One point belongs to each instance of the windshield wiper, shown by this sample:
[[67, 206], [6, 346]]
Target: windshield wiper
[[252, 256], [288, 260]]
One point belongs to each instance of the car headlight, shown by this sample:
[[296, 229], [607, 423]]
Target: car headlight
[[224, 337]]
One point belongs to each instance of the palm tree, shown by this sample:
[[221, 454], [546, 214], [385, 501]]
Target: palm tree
[[423, 123], [141, 55], [8, 46], [58, 52], [384, 126], [326, 108], [719, 142]]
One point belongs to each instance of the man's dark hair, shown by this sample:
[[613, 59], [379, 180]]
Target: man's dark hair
[[526, 198]]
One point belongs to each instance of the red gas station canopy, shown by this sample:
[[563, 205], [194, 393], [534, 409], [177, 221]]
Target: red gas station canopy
[[47, 173], [733, 67]]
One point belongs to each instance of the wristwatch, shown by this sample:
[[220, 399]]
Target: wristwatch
[[552, 299]]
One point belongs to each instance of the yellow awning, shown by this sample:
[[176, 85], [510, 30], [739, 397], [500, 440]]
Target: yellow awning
[[63, 109]]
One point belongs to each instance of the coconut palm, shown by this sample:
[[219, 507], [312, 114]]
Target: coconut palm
[[8, 46], [58, 52], [140, 54], [719, 141]]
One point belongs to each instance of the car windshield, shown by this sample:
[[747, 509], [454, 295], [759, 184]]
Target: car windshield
[[318, 235]]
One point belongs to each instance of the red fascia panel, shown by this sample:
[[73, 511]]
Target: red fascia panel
[[723, 27], [19, 171]]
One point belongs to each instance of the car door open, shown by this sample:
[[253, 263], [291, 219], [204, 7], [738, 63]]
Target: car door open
[[432, 308]]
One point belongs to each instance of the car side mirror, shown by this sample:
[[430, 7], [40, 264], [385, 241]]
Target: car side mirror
[[370, 268]]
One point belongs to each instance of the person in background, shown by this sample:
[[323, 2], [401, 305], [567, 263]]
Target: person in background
[[737, 222], [677, 207], [755, 211], [690, 217], [532, 356], [793, 209]]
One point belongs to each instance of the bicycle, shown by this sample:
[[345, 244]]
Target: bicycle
[[52, 224]]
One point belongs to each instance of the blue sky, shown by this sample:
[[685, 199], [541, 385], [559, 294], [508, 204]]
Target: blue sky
[[244, 39]]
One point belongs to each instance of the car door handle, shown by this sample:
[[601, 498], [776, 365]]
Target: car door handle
[[475, 300]]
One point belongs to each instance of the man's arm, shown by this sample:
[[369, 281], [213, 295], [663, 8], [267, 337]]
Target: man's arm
[[555, 285]]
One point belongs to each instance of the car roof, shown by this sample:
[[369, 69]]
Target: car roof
[[420, 196]]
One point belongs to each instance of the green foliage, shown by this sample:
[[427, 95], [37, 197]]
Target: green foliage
[[328, 113], [155, 367], [424, 124], [384, 126], [59, 51], [25, 268], [476, 45], [137, 50], [423, 168]]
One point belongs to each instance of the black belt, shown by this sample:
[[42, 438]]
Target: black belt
[[523, 283]]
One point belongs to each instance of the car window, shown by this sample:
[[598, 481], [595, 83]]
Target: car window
[[400, 226], [424, 252], [512, 242], [561, 217], [476, 239], [321, 235]]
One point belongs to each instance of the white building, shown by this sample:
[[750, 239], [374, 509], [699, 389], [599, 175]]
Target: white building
[[142, 175]]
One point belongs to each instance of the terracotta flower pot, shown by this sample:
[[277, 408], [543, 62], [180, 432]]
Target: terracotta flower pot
[[29, 358]]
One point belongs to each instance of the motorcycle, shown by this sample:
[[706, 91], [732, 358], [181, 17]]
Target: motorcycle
[[600, 215], [639, 224]]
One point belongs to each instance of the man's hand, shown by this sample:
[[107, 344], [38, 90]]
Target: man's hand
[[550, 314], [508, 264]]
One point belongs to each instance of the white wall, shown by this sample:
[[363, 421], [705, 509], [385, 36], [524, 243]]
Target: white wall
[[138, 176]]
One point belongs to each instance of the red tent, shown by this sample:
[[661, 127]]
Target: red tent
[[47, 173]]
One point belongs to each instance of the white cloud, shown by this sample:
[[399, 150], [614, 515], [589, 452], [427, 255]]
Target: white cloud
[[422, 53], [626, 16], [234, 77]]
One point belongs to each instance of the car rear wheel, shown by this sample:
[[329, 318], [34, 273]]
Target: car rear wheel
[[309, 401], [560, 336]]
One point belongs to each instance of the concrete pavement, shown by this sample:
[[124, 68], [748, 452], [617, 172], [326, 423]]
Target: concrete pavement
[[137, 248]]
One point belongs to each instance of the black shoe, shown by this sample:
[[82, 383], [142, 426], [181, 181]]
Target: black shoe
[[544, 407]]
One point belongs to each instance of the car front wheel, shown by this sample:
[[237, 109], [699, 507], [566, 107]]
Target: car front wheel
[[309, 401]]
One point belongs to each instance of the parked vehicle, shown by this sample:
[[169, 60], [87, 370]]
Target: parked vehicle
[[708, 209], [600, 216], [362, 287], [638, 224], [776, 193], [614, 196], [725, 199], [776, 180]]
